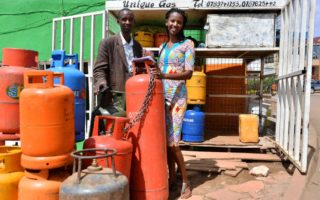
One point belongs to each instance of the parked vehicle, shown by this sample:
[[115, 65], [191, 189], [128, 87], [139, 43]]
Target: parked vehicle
[[315, 86]]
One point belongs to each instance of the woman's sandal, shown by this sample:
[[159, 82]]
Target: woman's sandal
[[185, 191]]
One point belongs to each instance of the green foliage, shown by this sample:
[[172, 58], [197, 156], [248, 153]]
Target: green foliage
[[253, 85]]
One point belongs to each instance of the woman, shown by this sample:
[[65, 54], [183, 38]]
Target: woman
[[176, 60]]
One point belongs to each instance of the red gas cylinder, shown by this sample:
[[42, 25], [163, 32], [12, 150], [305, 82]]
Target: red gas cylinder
[[160, 38], [19, 57], [11, 79], [41, 184], [46, 120], [114, 127], [149, 177]]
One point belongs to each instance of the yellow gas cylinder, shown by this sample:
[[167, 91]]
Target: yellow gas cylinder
[[196, 88], [10, 172], [144, 38], [248, 128]]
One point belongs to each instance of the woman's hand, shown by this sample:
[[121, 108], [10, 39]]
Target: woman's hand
[[156, 72]]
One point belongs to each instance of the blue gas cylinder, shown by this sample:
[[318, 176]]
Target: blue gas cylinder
[[74, 79], [193, 125]]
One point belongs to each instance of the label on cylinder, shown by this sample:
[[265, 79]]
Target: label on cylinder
[[14, 90]]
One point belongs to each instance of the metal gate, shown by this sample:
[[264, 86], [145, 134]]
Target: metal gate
[[295, 68], [81, 34]]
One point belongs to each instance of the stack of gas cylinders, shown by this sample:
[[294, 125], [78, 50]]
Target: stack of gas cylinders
[[14, 63], [193, 122], [46, 134], [126, 153]]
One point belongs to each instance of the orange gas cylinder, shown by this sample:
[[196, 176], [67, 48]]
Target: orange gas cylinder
[[47, 121], [160, 38], [114, 127], [10, 172], [149, 178], [15, 62], [41, 184]]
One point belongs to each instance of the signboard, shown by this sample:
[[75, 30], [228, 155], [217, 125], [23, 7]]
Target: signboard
[[195, 4]]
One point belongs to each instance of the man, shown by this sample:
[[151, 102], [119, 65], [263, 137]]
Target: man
[[113, 64]]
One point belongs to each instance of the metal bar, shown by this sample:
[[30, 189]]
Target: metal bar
[[297, 131], [222, 114], [292, 99], [296, 73], [80, 15], [81, 52], [291, 32], [90, 70], [92, 46], [283, 82], [302, 48], [229, 76], [307, 87], [62, 35], [296, 35], [71, 36], [53, 44], [279, 101], [295, 95], [261, 90], [286, 114], [233, 95]]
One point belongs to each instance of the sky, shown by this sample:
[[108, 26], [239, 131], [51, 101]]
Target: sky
[[317, 20]]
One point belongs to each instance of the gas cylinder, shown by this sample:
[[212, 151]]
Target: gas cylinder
[[193, 125], [47, 121], [149, 178], [144, 38], [10, 172], [76, 81], [196, 87], [14, 63], [95, 182], [41, 184], [112, 138], [160, 38]]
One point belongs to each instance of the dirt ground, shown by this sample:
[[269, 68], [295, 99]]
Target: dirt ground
[[213, 186]]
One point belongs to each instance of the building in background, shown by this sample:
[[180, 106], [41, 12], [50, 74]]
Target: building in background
[[316, 59]]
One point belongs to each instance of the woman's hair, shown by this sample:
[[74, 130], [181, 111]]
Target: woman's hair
[[180, 35]]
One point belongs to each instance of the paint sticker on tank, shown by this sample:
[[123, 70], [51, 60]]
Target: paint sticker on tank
[[14, 91], [79, 94], [188, 120]]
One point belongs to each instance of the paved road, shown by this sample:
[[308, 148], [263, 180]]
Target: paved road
[[312, 188]]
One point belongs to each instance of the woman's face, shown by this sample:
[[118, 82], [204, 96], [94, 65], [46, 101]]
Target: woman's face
[[174, 23]]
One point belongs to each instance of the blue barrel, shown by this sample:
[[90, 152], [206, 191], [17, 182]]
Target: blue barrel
[[193, 125], [74, 79]]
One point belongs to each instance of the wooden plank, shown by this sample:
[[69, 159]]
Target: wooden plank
[[203, 169], [223, 155], [231, 141], [232, 173], [225, 164]]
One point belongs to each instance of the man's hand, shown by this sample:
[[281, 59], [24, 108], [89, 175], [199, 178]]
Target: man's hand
[[100, 86]]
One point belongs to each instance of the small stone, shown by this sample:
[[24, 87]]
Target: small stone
[[259, 171]]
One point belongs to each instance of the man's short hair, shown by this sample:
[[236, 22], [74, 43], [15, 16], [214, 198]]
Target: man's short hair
[[122, 10]]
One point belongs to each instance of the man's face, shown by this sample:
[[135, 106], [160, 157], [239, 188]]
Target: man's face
[[126, 21]]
